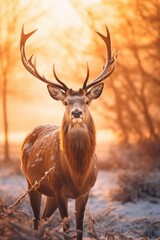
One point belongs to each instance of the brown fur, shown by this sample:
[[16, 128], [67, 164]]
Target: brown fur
[[78, 144], [71, 151]]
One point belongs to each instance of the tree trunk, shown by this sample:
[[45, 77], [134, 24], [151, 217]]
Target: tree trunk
[[5, 119]]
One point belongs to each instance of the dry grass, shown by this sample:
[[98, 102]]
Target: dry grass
[[137, 185], [144, 155], [137, 170], [15, 225], [109, 226]]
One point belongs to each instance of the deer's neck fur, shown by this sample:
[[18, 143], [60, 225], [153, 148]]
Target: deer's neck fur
[[78, 146]]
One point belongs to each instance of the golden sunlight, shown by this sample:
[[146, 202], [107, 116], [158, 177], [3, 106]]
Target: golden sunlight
[[64, 13], [61, 12]]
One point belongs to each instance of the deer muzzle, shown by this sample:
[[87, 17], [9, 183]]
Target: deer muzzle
[[77, 115]]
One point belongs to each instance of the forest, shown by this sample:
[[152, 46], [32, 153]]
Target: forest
[[125, 200]]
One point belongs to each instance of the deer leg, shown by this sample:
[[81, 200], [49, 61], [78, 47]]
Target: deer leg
[[62, 204], [35, 200], [80, 209], [50, 207]]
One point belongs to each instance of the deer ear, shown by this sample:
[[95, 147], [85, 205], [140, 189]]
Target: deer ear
[[56, 93], [95, 91]]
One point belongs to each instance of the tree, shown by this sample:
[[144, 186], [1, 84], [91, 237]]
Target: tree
[[8, 23], [140, 84], [134, 87], [10, 14]]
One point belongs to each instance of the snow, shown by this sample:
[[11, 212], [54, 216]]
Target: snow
[[125, 218], [142, 209], [28, 147]]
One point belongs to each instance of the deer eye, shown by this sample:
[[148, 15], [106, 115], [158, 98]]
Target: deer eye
[[65, 103], [87, 102]]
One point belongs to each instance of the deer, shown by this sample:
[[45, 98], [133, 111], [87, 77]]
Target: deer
[[69, 149]]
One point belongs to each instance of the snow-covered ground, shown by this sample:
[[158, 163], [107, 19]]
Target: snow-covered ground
[[130, 219]]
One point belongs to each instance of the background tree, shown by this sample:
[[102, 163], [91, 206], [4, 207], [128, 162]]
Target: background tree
[[8, 23], [132, 93], [10, 14]]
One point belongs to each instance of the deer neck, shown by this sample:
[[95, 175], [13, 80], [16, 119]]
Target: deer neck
[[78, 146]]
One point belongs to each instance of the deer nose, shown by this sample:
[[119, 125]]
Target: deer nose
[[76, 113]]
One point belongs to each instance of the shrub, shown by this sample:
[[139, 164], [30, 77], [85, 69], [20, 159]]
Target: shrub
[[134, 186]]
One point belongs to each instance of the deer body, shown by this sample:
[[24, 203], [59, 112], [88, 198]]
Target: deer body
[[74, 173], [69, 149]]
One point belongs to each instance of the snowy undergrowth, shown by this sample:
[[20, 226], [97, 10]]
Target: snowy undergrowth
[[104, 218]]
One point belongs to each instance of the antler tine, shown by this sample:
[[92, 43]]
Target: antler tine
[[32, 67], [110, 62], [58, 80], [24, 37], [87, 77]]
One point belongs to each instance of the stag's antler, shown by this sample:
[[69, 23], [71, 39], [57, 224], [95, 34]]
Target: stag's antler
[[109, 65], [31, 67], [107, 70]]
